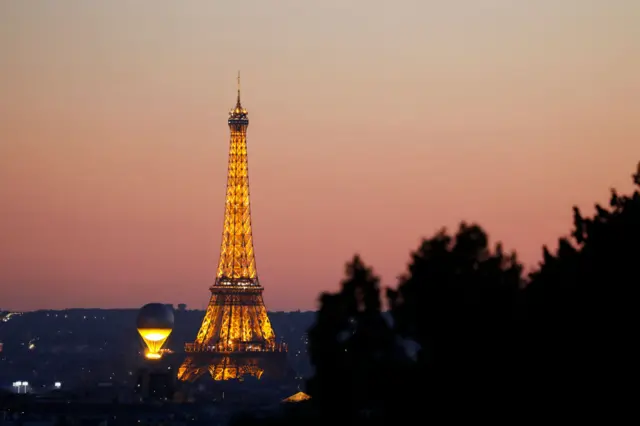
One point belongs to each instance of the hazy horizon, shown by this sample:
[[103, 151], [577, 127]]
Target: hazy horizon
[[372, 124], [135, 308]]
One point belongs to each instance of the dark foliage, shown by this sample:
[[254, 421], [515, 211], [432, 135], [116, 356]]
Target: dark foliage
[[353, 347], [458, 302], [492, 346], [580, 305]]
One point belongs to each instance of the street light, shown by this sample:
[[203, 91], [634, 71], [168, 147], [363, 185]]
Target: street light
[[18, 385]]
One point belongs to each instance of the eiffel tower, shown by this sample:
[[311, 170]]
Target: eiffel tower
[[236, 339]]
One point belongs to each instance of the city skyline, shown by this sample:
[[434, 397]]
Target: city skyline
[[365, 138]]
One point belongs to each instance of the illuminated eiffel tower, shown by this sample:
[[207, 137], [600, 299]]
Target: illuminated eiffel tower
[[235, 339]]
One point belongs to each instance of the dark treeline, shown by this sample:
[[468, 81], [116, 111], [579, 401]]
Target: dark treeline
[[472, 337]]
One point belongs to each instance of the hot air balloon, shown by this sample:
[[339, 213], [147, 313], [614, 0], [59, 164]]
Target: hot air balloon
[[155, 323]]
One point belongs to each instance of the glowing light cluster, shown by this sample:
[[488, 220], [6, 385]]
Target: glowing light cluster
[[154, 338], [236, 318], [227, 368]]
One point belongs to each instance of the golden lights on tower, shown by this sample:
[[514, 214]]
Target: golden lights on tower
[[235, 326], [237, 262]]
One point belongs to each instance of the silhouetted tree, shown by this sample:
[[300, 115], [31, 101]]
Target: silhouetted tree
[[353, 348], [580, 302], [458, 302], [484, 336]]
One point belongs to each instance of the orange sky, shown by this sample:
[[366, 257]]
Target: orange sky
[[372, 124]]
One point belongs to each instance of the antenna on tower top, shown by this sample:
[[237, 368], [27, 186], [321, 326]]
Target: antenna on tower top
[[238, 87], [238, 110]]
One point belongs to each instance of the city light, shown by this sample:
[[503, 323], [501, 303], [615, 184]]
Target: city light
[[21, 386], [57, 385]]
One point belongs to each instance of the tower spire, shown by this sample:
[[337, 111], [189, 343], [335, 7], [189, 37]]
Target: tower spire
[[238, 88], [238, 112]]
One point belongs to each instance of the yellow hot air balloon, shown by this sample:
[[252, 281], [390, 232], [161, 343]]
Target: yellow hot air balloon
[[155, 324]]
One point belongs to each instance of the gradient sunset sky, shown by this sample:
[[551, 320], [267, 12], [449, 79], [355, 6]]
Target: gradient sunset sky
[[372, 124]]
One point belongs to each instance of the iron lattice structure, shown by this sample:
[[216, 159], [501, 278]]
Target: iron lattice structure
[[236, 338]]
